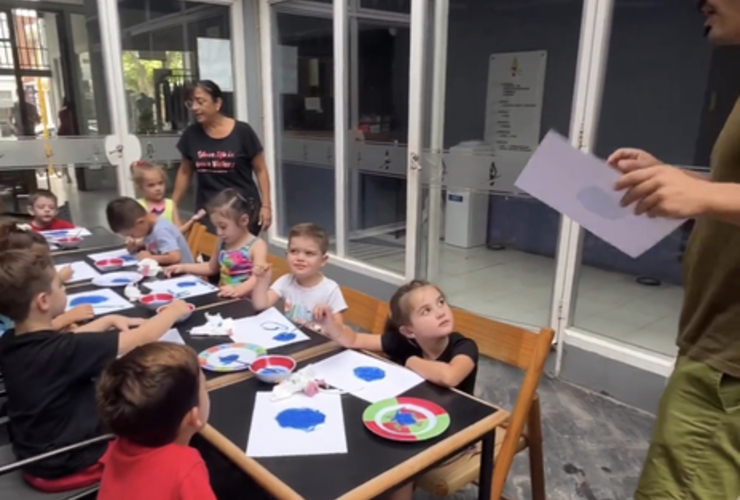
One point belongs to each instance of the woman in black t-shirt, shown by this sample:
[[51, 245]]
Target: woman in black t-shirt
[[224, 153]]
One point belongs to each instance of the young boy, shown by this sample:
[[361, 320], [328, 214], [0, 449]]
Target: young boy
[[305, 287], [154, 237], [154, 399], [49, 375], [42, 205]]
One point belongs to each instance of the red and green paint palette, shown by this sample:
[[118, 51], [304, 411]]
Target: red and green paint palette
[[406, 419]]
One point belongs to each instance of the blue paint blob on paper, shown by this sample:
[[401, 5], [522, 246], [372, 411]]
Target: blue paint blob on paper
[[88, 300], [57, 234], [302, 419], [369, 373], [404, 419], [121, 281], [128, 258], [187, 284], [284, 337], [273, 370], [601, 203]]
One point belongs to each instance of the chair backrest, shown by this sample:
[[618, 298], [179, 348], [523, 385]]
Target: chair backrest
[[518, 347], [364, 311], [192, 237], [279, 266], [205, 243]]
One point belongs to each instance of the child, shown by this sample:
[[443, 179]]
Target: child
[[154, 399], [241, 254], [305, 287], [419, 335], [150, 180], [42, 205], [49, 375], [13, 237], [153, 237]]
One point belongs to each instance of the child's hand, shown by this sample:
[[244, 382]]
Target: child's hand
[[131, 245], [229, 292], [81, 313], [170, 271], [323, 317], [180, 306], [66, 273], [263, 274], [198, 215]]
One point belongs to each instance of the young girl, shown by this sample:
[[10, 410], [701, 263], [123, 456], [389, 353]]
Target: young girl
[[419, 335], [240, 255], [150, 180]]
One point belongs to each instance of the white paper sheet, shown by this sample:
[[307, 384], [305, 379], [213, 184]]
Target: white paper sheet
[[172, 335], [81, 271], [103, 301], [299, 425], [214, 62], [128, 259], [269, 329], [581, 187], [366, 377], [183, 287], [79, 232]]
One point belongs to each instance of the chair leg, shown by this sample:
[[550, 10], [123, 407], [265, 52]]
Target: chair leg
[[536, 454]]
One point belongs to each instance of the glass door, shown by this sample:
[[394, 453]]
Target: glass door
[[166, 47], [55, 114]]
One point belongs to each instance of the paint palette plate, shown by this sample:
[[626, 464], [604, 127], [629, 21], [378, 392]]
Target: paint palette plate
[[230, 357], [122, 278], [406, 419]]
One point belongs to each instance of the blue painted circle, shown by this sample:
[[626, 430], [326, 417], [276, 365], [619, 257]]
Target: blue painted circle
[[88, 300], [187, 284], [302, 419], [284, 337], [369, 373]]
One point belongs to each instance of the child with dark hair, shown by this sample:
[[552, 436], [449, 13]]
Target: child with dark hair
[[154, 399], [153, 237], [241, 255], [42, 205], [305, 287], [49, 374], [419, 334]]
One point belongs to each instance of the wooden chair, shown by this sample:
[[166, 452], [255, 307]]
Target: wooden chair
[[364, 311], [196, 230], [279, 266], [527, 351], [204, 243]]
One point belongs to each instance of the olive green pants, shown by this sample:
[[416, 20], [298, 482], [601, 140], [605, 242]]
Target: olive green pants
[[695, 452]]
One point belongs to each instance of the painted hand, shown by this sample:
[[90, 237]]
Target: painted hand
[[664, 191], [629, 159]]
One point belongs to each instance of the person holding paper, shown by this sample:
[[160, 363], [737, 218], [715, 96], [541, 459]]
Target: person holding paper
[[695, 452]]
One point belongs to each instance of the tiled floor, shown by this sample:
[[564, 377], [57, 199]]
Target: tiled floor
[[514, 286]]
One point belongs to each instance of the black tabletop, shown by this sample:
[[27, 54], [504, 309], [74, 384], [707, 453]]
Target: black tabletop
[[326, 477], [237, 309], [100, 240]]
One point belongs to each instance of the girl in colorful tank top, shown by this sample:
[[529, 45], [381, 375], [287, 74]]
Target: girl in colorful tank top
[[240, 254]]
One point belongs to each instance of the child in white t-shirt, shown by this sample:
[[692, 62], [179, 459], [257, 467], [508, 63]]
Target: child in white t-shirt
[[305, 288]]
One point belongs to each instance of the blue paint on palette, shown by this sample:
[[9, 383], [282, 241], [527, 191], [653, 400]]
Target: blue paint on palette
[[88, 300], [404, 419], [229, 359], [123, 281], [187, 284], [369, 373], [128, 258], [302, 419], [284, 337]]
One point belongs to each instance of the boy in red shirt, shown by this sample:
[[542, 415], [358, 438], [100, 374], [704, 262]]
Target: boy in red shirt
[[154, 399], [42, 205]]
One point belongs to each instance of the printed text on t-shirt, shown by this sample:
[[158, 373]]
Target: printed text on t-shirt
[[215, 162]]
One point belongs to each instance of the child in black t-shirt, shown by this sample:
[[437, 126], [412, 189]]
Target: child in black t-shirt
[[419, 334], [49, 374]]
